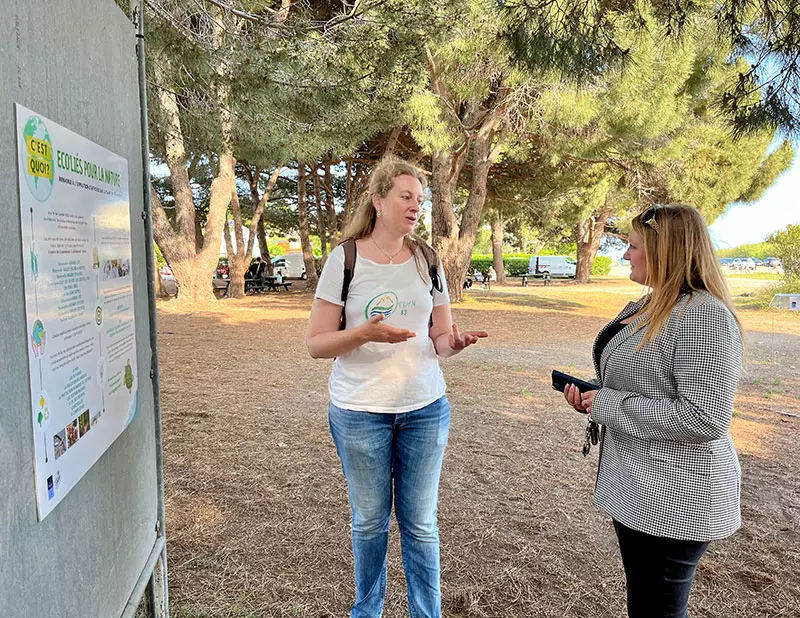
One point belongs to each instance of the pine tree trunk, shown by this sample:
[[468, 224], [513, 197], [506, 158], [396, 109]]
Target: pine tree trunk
[[589, 233], [305, 241], [193, 281], [235, 271], [453, 238], [497, 246], [333, 224], [456, 239], [193, 260], [321, 216], [348, 195], [263, 247], [257, 224], [238, 258], [444, 225], [352, 193], [237, 267]]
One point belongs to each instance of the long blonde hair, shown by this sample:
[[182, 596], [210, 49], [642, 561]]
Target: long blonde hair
[[680, 260], [381, 181]]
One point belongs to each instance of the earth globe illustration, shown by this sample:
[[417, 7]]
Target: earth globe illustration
[[40, 186]]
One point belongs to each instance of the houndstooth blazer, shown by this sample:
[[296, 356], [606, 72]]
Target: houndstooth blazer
[[668, 466]]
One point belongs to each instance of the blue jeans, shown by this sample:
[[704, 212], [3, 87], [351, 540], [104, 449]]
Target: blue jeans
[[658, 572], [394, 454]]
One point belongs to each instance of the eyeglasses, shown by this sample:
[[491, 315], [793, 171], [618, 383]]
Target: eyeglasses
[[648, 217]]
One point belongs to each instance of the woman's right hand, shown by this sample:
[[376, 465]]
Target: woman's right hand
[[373, 330], [573, 397]]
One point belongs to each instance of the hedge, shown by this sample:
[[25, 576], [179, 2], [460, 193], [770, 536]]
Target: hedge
[[516, 264]]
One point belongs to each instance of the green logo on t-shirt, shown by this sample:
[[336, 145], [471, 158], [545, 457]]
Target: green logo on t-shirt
[[383, 304]]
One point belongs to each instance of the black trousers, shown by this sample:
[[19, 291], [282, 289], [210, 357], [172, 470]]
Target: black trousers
[[658, 571]]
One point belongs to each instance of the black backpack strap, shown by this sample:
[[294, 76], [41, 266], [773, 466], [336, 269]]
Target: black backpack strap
[[350, 253], [432, 260]]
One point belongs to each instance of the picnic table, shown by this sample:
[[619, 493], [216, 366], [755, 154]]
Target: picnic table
[[272, 284], [264, 283]]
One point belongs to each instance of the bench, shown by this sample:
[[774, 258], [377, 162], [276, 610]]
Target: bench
[[265, 284], [275, 286], [254, 285], [544, 276]]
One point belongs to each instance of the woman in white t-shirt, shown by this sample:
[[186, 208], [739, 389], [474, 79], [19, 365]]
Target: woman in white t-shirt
[[388, 415]]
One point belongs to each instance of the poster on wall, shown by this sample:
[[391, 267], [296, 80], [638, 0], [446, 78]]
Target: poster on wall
[[76, 254]]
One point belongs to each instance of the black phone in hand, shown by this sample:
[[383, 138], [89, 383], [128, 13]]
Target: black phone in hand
[[560, 381]]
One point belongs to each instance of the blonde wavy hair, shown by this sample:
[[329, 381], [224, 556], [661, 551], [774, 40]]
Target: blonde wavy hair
[[680, 260], [381, 181]]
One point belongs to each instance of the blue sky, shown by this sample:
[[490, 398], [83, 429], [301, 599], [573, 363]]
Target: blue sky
[[748, 223]]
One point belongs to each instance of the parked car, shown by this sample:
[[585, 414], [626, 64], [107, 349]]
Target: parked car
[[553, 265], [291, 265], [725, 261], [772, 262], [743, 264], [168, 280]]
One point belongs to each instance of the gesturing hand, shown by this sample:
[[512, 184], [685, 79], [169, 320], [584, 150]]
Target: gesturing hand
[[383, 333], [459, 341]]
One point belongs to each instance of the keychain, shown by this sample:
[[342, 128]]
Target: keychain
[[592, 436]]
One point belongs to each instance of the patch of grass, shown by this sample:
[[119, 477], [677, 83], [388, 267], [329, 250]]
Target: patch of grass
[[525, 392], [760, 299], [772, 391], [762, 275]]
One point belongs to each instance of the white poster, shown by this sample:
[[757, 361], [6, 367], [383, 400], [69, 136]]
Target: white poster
[[76, 253]]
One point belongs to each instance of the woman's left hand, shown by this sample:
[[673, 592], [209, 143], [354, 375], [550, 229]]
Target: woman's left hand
[[459, 341], [587, 399]]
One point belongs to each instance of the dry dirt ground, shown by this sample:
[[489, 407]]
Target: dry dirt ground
[[257, 515]]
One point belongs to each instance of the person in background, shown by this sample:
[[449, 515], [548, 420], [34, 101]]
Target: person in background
[[252, 270], [669, 365], [389, 416]]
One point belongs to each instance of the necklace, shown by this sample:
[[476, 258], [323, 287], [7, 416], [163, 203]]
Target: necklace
[[389, 257]]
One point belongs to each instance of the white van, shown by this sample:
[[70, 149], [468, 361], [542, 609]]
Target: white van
[[553, 265], [291, 265]]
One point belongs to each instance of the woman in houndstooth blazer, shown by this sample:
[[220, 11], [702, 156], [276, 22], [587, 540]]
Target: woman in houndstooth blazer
[[669, 364]]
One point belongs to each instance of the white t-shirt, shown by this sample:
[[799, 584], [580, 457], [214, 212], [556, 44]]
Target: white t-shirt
[[385, 377]]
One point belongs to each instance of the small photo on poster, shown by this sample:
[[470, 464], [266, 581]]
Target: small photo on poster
[[83, 423], [73, 434], [60, 443], [115, 269]]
